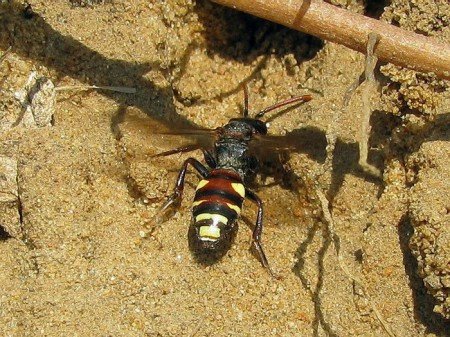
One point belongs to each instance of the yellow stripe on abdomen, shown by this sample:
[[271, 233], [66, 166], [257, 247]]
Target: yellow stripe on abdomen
[[239, 188], [216, 218], [211, 233], [235, 208], [201, 184]]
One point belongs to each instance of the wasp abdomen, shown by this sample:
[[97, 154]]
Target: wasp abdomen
[[217, 204]]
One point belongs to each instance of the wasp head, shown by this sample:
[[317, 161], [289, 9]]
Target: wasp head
[[243, 128]]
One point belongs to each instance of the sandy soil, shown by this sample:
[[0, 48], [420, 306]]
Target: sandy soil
[[77, 194]]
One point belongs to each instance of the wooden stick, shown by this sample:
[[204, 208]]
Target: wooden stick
[[328, 22]]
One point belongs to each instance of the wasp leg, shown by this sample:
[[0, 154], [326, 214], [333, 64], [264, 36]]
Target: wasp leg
[[258, 231], [174, 199], [209, 158]]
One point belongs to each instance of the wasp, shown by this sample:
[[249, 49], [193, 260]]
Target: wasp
[[232, 156]]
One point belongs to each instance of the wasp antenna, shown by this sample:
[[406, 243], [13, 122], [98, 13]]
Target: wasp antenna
[[304, 98], [245, 112]]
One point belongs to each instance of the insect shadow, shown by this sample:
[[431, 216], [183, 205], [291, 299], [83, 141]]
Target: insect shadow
[[243, 38], [36, 39]]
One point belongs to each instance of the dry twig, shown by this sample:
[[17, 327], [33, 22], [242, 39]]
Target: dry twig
[[330, 224], [369, 84], [125, 90], [334, 24], [371, 61], [328, 218]]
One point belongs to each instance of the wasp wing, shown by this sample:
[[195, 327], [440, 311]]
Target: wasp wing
[[151, 137], [311, 141], [144, 140]]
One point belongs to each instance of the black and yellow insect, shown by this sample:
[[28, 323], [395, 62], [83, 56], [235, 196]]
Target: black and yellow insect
[[220, 194]]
